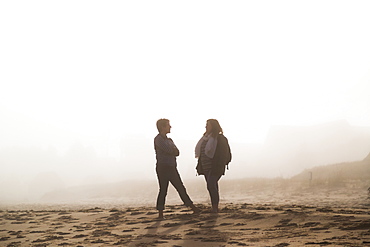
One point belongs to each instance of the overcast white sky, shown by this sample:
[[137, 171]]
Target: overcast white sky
[[112, 68]]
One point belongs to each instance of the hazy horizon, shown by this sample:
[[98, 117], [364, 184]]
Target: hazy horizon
[[289, 150]]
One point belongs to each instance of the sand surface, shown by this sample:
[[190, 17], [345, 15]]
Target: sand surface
[[335, 218]]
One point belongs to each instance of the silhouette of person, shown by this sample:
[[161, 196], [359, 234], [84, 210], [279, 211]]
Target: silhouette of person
[[213, 153], [166, 168]]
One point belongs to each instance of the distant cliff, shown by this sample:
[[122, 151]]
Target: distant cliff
[[357, 170], [293, 149]]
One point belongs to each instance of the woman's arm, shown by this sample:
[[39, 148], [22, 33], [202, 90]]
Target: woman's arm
[[167, 146]]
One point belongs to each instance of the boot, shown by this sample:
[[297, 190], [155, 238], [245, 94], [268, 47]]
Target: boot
[[215, 208], [195, 209], [160, 214]]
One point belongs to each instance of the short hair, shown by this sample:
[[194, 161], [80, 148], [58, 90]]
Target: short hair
[[161, 123]]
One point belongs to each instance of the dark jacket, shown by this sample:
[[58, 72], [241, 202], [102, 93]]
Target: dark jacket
[[221, 158], [165, 151]]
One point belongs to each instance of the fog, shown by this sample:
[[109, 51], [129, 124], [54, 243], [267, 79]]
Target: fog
[[30, 172], [83, 83]]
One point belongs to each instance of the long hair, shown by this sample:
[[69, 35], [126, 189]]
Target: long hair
[[216, 127]]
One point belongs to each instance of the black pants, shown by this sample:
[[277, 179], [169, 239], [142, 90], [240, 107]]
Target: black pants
[[212, 186], [165, 175]]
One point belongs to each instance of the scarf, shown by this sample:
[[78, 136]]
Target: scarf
[[210, 146]]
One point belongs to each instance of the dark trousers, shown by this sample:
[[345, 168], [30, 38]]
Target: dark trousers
[[212, 186], [165, 175]]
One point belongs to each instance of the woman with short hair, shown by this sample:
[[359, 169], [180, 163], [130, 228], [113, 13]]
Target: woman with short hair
[[166, 167]]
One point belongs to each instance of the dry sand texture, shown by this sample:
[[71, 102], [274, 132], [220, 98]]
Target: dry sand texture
[[237, 225]]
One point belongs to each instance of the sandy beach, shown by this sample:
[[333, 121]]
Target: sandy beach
[[338, 217], [260, 108]]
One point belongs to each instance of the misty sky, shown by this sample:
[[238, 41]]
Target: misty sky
[[110, 69]]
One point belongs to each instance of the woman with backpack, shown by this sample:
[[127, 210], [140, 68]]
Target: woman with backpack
[[213, 153]]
